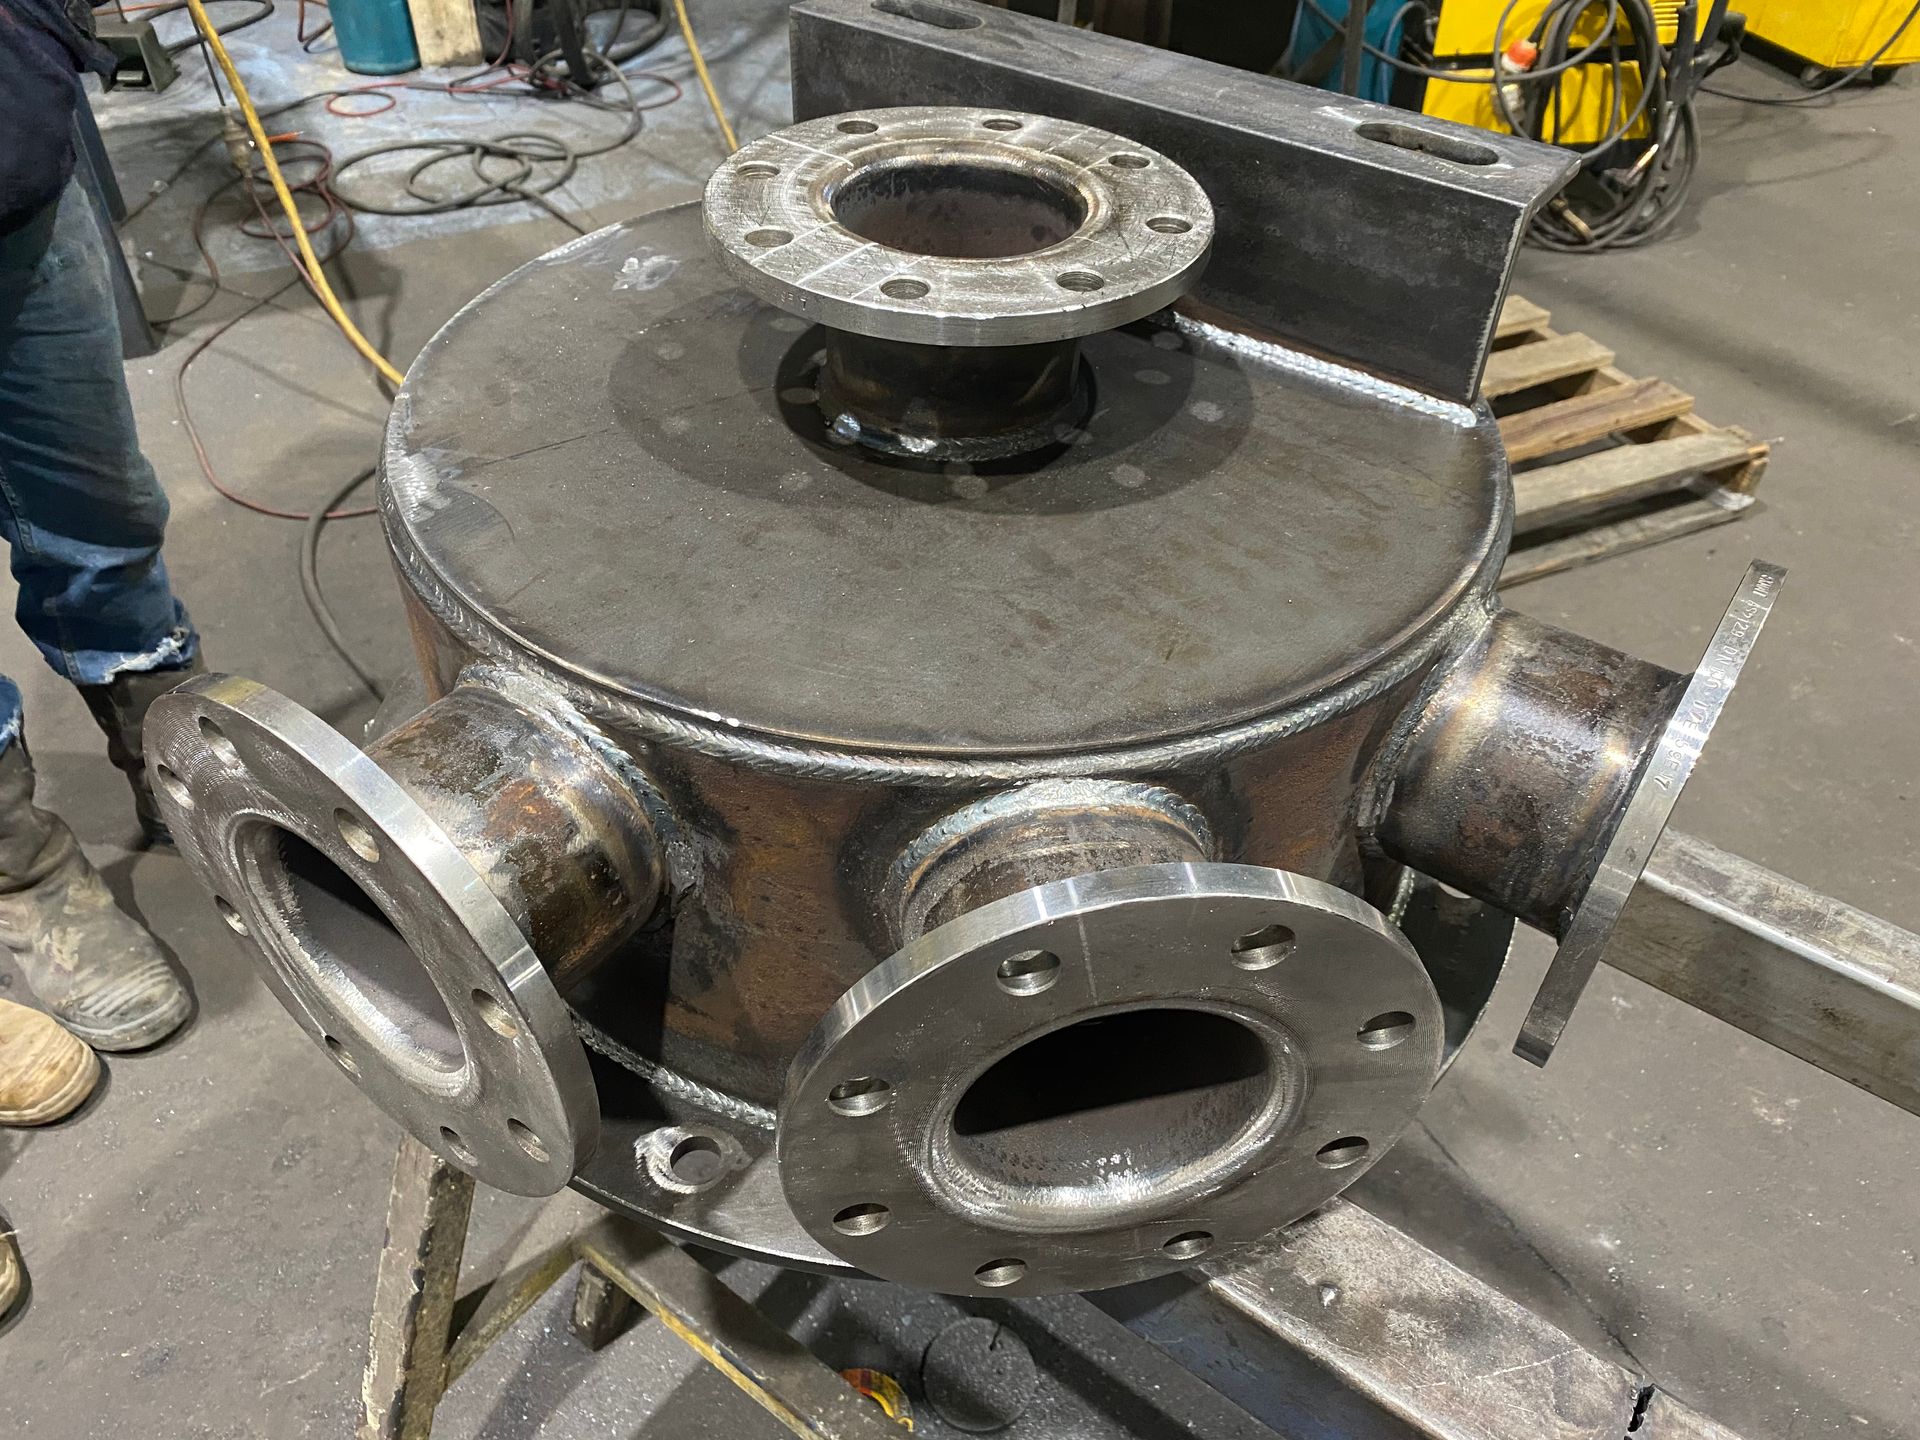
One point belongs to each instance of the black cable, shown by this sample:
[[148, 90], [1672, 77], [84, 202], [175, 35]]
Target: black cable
[[1626, 212], [323, 615], [192, 158], [523, 150], [1606, 205], [1837, 83], [262, 9], [1454, 77]]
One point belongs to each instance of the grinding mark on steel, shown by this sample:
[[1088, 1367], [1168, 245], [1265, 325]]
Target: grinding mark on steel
[[1505, 1219], [1086, 957], [792, 142], [1558, 1355], [841, 260], [482, 463], [1065, 140]]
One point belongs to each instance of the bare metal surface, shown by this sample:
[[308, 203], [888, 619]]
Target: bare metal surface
[[377, 932], [1803, 971], [1518, 767], [1429, 218], [1210, 602], [986, 227], [413, 1300], [1658, 788], [1051, 830], [1346, 1326], [1183, 537], [1697, 1146], [1103, 1078]]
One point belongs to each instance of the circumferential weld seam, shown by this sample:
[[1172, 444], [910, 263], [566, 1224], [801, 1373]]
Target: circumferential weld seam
[[743, 748], [680, 858]]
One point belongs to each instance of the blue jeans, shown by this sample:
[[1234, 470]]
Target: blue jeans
[[80, 509]]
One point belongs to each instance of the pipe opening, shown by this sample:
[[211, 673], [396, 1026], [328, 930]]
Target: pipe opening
[[337, 935], [971, 209], [1114, 1105]]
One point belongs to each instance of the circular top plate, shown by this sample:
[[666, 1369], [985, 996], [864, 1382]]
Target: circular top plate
[[1052, 1183], [612, 461], [775, 211], [436, 1006]]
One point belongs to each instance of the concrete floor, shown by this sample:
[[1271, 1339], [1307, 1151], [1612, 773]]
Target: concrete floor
[[1744, 1228]]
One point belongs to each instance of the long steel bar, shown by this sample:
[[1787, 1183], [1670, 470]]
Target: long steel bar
[[414, 1295], [1802, 971], [1349, 1328]]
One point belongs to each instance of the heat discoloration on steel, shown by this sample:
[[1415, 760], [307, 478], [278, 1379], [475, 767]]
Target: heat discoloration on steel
[[739, 714], [1511, 782]]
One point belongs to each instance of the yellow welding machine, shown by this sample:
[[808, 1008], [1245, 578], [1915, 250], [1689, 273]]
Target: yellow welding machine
[[1833, 34], [1587, 110]]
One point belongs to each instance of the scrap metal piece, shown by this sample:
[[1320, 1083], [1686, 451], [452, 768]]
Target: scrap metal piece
[[1346, 1326], [1102, 1078], [1815, 977], [1657, 790], [1338, 218]]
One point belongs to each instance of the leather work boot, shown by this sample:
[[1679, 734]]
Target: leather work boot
[[119, 708], [93, 965], [45, 1072], [12, 1277]]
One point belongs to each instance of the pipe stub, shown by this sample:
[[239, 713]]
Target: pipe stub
[[958, 226], [375, 932]]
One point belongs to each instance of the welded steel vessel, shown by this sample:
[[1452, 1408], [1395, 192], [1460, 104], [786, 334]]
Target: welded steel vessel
[[943, 757]]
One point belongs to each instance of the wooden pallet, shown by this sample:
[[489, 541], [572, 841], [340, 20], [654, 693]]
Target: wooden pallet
[[1603, 462]]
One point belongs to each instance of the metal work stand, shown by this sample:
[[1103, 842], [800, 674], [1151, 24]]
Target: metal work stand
[[426, 1332]]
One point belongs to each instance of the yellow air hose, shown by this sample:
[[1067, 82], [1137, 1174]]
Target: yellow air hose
[[321, 288]]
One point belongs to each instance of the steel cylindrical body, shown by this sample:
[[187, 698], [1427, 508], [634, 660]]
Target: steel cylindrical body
[[942, 731]]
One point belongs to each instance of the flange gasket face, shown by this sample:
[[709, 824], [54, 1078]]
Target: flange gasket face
[[1098, 1080], [1142, 235], [375, 932]]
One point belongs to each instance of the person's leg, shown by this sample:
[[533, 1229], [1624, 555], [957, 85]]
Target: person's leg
[[79, 504]]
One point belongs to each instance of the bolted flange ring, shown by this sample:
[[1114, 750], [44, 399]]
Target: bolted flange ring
[[958, 226], [375, 932], [1098, 1080]]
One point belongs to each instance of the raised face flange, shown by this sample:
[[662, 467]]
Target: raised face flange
[[375, 932], [958, 226], [1100, 1079]]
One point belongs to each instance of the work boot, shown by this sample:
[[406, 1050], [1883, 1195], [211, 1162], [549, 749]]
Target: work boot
[[119, 708], [12, 1277], [93, 965], [45, 1072]]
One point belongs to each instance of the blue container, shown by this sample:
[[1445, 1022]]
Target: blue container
[[376, 36]]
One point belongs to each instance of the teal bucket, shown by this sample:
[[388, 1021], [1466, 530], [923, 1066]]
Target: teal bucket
[[376, 36]]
